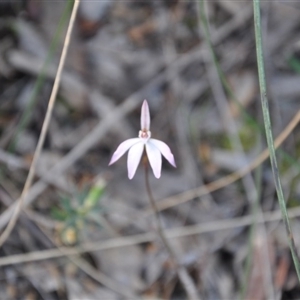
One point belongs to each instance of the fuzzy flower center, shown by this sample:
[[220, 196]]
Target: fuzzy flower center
[[144, 134]]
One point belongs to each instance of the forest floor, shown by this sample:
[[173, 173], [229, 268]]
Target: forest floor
[[88, 232]]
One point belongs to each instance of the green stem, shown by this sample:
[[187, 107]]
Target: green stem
[[183, 275], [268, 128]]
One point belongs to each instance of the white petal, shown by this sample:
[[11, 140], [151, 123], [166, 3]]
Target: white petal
[[123, 147], [154, 157], [134, 157], [165, 150], [145, 116]]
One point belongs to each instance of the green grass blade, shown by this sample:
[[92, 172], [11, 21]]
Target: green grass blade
[[251, 121], [204, 22], [269, 135], [41, 77]]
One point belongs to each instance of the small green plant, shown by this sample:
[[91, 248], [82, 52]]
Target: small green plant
[[247, 136], [77, 212], [294, 63]]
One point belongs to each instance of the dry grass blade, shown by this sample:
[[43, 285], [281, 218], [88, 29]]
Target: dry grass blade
[[129, 104], [224, 181], [102, 278], [146, 237], [218, 90], [46, 122]]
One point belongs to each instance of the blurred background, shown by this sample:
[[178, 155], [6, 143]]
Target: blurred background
[[197, 68]]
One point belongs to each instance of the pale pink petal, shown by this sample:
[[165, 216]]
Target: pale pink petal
[[145, 116], [154, 157], [123, 147], [134, 157], [164, 149]]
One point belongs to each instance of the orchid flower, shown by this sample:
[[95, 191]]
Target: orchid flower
[[136, 146]]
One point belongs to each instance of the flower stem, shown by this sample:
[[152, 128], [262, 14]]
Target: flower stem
[[183, 275]]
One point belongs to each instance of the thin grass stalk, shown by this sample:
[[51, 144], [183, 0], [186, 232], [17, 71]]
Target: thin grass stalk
[[249, 184], [251, 120], [171, 201], [41, 77], [5, 234], [126, 241], [269, 135], [228, 179], [183, 275], [255, 209], [223, 79]]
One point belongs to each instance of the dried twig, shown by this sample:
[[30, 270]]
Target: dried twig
[[226, 180], [37, 153], [215, 79], [146, 237], [130, 103]]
